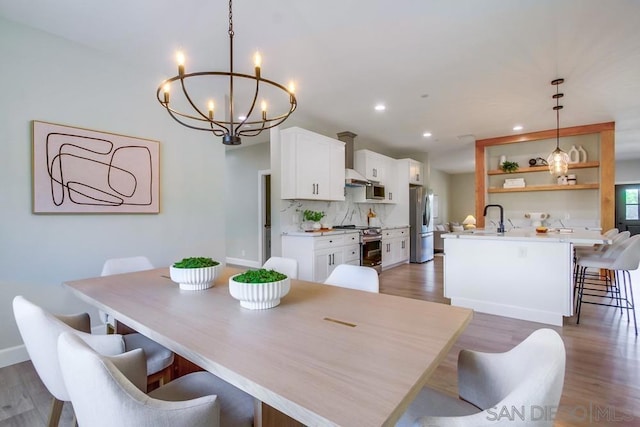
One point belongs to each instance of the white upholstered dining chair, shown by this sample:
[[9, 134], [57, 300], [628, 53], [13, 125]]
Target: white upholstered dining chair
[[40, 330], [159, 359], [354, 277], [288, 266], [107, 391], [520, 387]]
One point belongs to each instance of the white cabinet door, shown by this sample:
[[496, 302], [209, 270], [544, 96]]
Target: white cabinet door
[[312, 166], [416, 172], [395, 247], [391, 181], [325, 262], [371, 164]]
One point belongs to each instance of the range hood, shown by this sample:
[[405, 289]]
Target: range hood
[[351, 177]]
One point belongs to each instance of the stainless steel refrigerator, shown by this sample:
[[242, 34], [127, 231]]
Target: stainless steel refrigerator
[[421, 223]]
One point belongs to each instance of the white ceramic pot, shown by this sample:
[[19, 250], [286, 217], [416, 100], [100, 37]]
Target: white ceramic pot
[[259, 296], [194, 279]]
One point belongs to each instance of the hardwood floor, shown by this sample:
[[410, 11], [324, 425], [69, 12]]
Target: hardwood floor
[[602, 381]]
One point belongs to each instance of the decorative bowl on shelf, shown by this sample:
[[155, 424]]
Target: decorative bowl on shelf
[[255, 295], [194, 274], [541, 230]]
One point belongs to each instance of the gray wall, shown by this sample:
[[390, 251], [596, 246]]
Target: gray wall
[[440, 183], [628, 171], [242, 185], [49, 79], [462, 198]]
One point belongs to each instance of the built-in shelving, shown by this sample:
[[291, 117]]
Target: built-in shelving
[[554, 187], [584, 165]]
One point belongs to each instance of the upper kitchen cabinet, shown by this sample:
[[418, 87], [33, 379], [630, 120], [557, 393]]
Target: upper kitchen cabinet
[[312, 166], [415, 170], [372, 165]]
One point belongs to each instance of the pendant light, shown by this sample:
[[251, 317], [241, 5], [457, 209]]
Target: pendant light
[[558, 160], [202, 117]]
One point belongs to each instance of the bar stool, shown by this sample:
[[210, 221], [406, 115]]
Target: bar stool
[[618, 262], [598, 251]]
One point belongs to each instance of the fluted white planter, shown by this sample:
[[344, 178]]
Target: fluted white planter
[[194, 279], [259, 296]]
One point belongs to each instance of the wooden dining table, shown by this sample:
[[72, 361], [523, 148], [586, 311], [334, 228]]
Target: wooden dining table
[[325, 356]]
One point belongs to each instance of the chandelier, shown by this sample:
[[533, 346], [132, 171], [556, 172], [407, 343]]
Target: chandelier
[[231, 128], [558, 160]]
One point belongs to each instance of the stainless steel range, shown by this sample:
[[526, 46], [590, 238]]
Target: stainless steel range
[[370, 245]]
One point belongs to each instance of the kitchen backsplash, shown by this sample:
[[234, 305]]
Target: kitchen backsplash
[[336, 213]]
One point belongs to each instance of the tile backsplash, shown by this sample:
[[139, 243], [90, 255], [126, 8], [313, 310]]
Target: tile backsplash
[[336, 213]]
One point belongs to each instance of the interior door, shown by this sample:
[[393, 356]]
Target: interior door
[[628, 208]]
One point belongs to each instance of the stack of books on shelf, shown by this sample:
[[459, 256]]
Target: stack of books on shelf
[[514, 183]]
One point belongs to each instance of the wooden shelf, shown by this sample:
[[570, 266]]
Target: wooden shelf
[[555, 187], [544, 168]]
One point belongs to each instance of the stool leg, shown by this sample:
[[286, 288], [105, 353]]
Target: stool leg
[[580, 292], [631, 301]]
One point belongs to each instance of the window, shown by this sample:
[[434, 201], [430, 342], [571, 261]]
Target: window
[[632, 210]]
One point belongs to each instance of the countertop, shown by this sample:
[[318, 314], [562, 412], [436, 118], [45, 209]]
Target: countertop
[[577, 236], [322, 232], [394, 227]]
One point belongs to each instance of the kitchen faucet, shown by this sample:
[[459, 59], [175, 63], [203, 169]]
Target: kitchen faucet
[[501, 224]]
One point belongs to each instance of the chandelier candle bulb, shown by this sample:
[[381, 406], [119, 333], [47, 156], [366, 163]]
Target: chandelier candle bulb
[[166, 93], [180, 59], [211, 110]]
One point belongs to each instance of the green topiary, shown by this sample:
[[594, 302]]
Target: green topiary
[[195, 262], [509, 167], [260, 276]]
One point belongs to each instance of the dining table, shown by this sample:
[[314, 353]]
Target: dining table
[[325, 356]]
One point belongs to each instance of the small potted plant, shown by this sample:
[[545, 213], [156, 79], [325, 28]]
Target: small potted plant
[[509, 167], [259, 289], [313, 216], [194, 273]]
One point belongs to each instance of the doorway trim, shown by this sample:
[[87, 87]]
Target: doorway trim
[[261, 212]]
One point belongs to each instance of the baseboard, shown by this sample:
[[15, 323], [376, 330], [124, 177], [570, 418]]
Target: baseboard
[[12, 355], [243, 262]]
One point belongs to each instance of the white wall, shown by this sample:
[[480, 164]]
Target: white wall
[[242, 185], [49, 79], [440, 184]]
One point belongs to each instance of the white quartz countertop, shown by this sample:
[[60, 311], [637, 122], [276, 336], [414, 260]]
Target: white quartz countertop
[[577, 236], [394, 227], [331, 232]]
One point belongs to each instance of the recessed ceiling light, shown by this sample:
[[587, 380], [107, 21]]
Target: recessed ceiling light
[[426, 134], [380, 107], [517, 127]]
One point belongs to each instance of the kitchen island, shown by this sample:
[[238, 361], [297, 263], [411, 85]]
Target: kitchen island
[[520, 274]]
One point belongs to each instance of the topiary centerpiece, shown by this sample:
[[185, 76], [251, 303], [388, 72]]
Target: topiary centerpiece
[[259, 289], [194, 273]]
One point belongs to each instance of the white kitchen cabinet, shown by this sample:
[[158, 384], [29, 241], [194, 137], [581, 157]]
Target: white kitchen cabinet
[[371, 164], [312, 166], [416, 172], [395, 247], [317, 256]]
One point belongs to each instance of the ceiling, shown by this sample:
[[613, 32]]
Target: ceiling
[[460, 69]]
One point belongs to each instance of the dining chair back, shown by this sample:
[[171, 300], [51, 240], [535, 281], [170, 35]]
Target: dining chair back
[[40, 331], [107, 391], [159, 358], [520, 387], [288, 266], [354, 277]]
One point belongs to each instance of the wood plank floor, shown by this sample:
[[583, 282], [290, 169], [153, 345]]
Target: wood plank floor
[[602, 382]]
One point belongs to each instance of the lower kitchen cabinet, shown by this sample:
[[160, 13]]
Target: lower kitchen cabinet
[[317, 256], [395, 247]]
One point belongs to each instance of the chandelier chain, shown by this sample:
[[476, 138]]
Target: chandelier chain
[[230, 19]]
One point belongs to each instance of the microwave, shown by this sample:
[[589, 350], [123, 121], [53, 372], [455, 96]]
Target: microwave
[[375, 192]]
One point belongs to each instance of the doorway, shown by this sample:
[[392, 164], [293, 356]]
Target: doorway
[[264, 220], [628, 208]]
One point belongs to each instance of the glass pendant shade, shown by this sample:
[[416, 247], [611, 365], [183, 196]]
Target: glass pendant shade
[[558, 162]]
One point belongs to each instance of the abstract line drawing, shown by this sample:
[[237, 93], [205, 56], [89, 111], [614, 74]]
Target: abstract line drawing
[[83, 171]]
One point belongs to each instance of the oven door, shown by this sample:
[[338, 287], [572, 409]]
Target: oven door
[[371, 254]]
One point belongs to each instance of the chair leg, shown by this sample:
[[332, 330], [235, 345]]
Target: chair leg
[[580, 292], [56, 411]]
